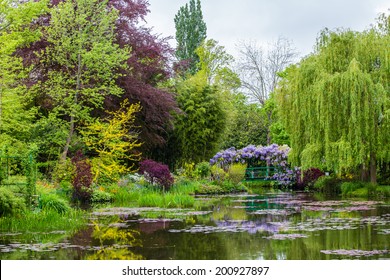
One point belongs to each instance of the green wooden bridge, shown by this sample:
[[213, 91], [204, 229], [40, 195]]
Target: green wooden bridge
[[263, 173]]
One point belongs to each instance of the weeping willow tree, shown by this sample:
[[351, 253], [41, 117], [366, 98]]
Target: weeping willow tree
[[335, 103]]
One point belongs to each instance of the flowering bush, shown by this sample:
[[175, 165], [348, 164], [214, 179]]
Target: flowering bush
[[156, 173], [272, 155], [309, 177]]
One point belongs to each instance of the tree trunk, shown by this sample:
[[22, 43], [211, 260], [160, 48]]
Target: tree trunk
[[73, 113], [363, 173], [373, 167], [68, 140], [268, 128]]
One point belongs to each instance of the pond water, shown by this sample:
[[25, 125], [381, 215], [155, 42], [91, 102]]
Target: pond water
[[275, 226]]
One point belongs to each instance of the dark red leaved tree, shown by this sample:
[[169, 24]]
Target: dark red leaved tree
[[149, 64]]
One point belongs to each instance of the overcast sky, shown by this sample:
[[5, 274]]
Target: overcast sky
[[263, 21]]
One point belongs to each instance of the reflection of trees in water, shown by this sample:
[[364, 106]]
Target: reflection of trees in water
[[115, 243]]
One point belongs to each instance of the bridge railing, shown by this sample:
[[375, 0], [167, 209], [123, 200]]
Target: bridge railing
[[263, 173]]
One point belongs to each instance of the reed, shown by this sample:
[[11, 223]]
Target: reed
[[167, 200]]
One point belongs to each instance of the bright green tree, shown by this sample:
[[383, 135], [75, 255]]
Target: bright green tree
[[16, 114], [83, 61], [190, 33], [248, 125], [335, 103], [200, 126]]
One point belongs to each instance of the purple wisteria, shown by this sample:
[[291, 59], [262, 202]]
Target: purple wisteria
[[273, 155]]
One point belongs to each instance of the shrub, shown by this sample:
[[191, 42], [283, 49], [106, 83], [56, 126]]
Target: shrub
[[328, 185], [383, 191], [218, 174], [348, 188], [236, 173], [82, 179], [364, 189], [188, 170], [309, 177], [101, 196], [209, 189], [10, 204], [203, 170], [156, 173], [65, 189], [51, 201], [63, 171], [228, 186]]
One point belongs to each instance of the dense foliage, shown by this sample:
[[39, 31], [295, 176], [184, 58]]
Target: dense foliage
[[156, 173], [202, 122], [338, 98], [10, 204], [93, 90]]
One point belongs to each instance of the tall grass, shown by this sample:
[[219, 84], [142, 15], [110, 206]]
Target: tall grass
[[123, 195], [44, 221], [185, 186], [167, 200], [51, 201]]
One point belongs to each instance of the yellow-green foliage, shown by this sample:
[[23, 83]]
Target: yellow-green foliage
[[218, 174], [10, 204], [114, 142], [236, 172], [63, 171], [188, 170], [335, 103]]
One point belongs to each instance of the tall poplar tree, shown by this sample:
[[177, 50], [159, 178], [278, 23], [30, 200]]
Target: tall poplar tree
[[335, 103], [190, 33]]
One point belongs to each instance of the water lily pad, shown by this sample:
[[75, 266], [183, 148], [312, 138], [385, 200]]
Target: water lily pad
[[272, 212], [358, 253], [285, 236], [198, 213]]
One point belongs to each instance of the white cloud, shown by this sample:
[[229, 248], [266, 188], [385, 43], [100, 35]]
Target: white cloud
[[229, 21]]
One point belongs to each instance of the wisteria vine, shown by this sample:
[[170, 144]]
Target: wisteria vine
[[272, 155]]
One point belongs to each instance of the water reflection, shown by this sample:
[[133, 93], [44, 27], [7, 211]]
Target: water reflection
[[283, 226]]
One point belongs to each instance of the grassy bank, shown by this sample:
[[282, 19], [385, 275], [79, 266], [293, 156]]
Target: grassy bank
[[346, 188], [44, 221]]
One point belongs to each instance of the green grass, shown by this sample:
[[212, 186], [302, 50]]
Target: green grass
[[167, 200], [363, 189], [51, 201], [186, 186], [44, 221], [124, 195]]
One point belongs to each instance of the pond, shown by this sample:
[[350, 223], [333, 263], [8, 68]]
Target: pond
[[275, 226]]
